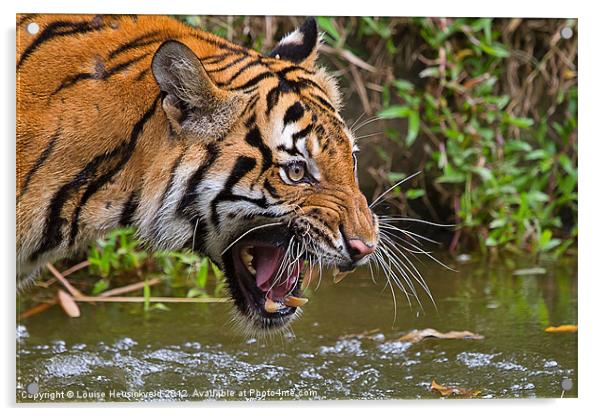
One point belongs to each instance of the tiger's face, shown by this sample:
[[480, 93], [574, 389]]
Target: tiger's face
[[281, 199]]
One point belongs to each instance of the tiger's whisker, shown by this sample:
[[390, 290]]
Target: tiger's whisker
[[365, 136], [406, 265], [380, 197], [248, 232], [409, 219]]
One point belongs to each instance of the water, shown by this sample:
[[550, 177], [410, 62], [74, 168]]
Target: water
[[115, 352]]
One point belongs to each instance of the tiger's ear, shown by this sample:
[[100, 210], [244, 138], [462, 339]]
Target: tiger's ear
[[192, 99], [300, 46]]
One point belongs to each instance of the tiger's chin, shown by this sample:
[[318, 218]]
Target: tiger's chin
[[265, 281]]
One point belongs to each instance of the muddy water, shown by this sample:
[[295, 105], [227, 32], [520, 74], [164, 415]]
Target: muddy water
[[116, 352]]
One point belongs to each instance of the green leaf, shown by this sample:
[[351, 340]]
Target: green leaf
[[403, 86], [413, 127], [147, 295], [567, 164], [415, 193], [382, 30], [451, 176], [495, 49], [201, 277], [491, 242], [546, 242], [536, 154], [497, 223], [327, 24], [394, 177], [99, 287], [195, 292], [396, 111], [520, 122], [431, 72], [537, 196], [216, 271], [483, 172]]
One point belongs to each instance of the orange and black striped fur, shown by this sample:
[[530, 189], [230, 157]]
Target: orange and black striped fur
[[195, 141]]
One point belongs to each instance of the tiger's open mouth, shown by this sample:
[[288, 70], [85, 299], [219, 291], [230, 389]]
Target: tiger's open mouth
[[264, 279]]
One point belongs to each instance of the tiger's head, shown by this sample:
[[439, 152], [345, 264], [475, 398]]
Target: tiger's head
[[276, 188]]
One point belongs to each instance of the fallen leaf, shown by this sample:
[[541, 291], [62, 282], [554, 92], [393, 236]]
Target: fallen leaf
[[68, 304], [418, 335], [453, 391], [561, 328]]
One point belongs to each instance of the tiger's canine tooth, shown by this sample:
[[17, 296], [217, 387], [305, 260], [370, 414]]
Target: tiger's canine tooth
[[294, 301], [270, 306]]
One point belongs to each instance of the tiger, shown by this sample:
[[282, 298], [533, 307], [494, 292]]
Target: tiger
[[196, 142]]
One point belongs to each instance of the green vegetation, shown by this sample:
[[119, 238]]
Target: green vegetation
[[120, 255]]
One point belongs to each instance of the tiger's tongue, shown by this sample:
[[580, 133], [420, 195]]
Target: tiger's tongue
[[267, 262]]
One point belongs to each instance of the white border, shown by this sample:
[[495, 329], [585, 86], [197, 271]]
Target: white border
[[590, 204]]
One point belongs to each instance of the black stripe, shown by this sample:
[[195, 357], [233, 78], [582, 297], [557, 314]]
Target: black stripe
[[39, 162], [172, 178], [143, 40], [325, 237], [271, 99], [239, 72], [185, 208], [222, 43], [142, 74], [228, 65], [302, 133], [250, 105], [309, 83], [324, 102], [292, 68], [242, 166], [124, 150], [250, 121], [255, 80], [292, 151], [271, 190], [168, 188], [254, 138], [55, 30], [213, 59], [129, 209], [52, 228], [103, 75], [294, 113]]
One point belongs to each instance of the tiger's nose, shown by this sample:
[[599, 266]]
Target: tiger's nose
[[358, 249]]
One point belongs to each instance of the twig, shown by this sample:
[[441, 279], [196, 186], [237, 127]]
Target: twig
[[73, 291], [141, 299], [129, 288], [361, 89], [39, 308], [348, 56], [75, 268], [65, 273]]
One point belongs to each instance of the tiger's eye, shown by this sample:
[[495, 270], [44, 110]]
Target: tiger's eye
[[296, 172]]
